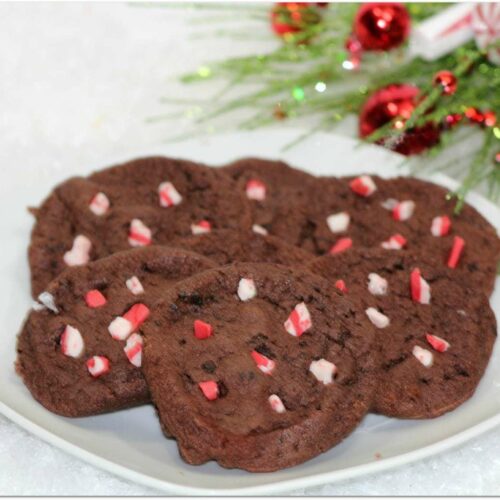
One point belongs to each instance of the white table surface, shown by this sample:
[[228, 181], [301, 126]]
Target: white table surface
[[78, 81]]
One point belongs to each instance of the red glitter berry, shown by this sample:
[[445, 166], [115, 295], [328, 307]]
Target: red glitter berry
[[447, 80]]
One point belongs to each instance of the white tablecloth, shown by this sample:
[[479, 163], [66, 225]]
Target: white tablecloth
[[78, 81]]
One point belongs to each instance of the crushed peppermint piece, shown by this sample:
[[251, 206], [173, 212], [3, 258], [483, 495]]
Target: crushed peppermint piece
[[299, 320], [210, 389], [202, 227], [139, 234], [134, 285], [255, 190], [377, 285], [338, 223], [94, 298], [440, 225], [264, 364], [133, 349], [257, 228], [72, 342], [99, 204], [420, 289], [169, 196], [403, 210], [246, 289], [456, 252], [423, 355], [47, 300], [389, 204], [395, 242], [323, 370], [98, 365], [340, 285], [377, 318], [276, 403], [363, 185], [437, 343], [341, 246], [36, 306], [202, 330], [79, 253], [122, 326]]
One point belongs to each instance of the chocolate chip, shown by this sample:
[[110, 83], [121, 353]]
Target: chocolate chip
[[209, 366], [223, 390]]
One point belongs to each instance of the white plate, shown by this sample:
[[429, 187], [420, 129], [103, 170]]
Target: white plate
[[130, 443]]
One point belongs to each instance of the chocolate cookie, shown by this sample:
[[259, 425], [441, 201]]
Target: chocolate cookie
[[142, 202], [435, 331], [226, 246], [79, 351], [258, 366], [405, 213]]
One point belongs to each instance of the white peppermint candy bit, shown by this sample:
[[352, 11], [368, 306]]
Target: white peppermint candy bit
[[363, 185], [246, 289], [299, 320], [169, 196], [403, 210], [377, 285], [72, 342], [255, 190], [423, 355], [440, 225], [99, 204], [134, 285], [338, 223], [276, 403], [323, 370], [389, 204], [377, 318], [395, 242], [256, 228], [133, 349], [139, 235], [47, 300], [202, 227], [98, 365], [36, 306], [79, 253], [120, 328]]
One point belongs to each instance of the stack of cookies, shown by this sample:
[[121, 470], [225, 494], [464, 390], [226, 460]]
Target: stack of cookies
[[263, 311]]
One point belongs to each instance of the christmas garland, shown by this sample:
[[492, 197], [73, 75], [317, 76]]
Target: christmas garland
[[373, 60]]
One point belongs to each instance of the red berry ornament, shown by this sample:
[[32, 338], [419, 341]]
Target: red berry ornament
[[447, 80], [293, 17]]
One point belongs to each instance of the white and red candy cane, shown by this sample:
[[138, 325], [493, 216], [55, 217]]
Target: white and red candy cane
[[202, 330], [341, 245], [255, 190], [395, 242], [299, 320], [377, 285], [423, 355], [246, 289], [338, 223], [122, 326], [264, 364], [340, 285], [403, 210], [363, 185], [99, 204], [456, 252], [139, 234], [323, 370], [79, 253], [169, 196], [202, 227], [98, 365], [276, 403], [437, 343], [420, 289], [134, 285], [210, 389], [133, 349], [377, 318], [94, 298], [72, 344], [440, 225]]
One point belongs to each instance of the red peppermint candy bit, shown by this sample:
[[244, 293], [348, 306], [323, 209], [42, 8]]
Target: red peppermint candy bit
[[94, 298], [133, 349], [395, 242], [72, 344], [98, 365], [137, 314], [201, 227], [139, 234], [437, 343], [210, 389], [341, 246], [169, 196], [99, 204], [202, 330], [264, 364], [403, 210], [420, 289], [255, 190], [299, 320], [456, 252], [440, 225], [363, 185], [340, 285]]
